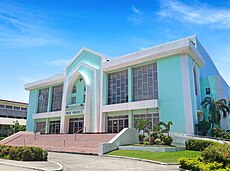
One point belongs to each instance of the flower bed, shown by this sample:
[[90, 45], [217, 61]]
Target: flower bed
[[152, 148]]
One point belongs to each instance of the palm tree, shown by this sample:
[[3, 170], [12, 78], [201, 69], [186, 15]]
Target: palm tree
[[167, 126], [215, 108], [142, 123]]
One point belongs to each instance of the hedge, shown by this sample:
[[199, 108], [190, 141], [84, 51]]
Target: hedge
[[198, 145], [196, 164], [214, 157], [23, 153]]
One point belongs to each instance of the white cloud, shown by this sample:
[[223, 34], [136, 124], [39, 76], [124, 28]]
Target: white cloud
[[137, 17], [136, 10], [23, 27], [58, 62], [195, 13]]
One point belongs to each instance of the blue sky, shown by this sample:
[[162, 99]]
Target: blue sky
[[37, 38]]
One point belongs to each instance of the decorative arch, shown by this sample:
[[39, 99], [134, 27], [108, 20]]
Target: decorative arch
[[91, 98]]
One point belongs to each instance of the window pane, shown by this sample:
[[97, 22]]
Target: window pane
[[145, 82], [43, 100], [57, 93], [118, 87]]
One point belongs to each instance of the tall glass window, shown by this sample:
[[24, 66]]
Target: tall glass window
[[195, 80], [57, 93], [145, 83], [118, 87], [43, 100]]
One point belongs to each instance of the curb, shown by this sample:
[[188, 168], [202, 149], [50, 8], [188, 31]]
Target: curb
[[35, 168], [144, 160]]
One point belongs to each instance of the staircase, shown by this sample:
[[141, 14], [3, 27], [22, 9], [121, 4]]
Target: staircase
[[79, 143]]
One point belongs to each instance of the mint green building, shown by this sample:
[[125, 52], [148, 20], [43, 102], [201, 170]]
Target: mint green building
[[96, 94]]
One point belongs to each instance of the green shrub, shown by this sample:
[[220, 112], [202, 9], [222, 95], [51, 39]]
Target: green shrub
[[197, 164], [146, 143], [146, 139], [23, 153], [154, 135], [219, 153], [157, 141], [203, 127], [141, 137], [167, 140], [198, 145], [216, 132]]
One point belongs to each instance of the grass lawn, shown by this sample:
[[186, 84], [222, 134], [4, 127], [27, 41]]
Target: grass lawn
[[167, 157]]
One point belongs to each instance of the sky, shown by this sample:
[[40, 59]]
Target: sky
[[39, 37]]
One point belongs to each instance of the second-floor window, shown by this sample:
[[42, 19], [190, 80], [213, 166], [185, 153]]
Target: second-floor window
[[43, 100], [57, 93], [145, 82], [118, 87]]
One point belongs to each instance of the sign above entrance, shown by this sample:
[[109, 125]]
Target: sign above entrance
[[75, 109]]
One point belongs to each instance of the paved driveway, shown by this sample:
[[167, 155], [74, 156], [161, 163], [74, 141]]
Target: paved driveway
[[75, 162], [12, 168]]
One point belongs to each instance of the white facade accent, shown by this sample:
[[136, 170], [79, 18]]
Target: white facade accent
[[47, 115], [188, 112], [131, 106], [154, 53]]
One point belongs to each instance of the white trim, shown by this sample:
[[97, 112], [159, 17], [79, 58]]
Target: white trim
[[131, 106], [59, 78], [47, 115], [182, 46], [188, 111], [103, 57]]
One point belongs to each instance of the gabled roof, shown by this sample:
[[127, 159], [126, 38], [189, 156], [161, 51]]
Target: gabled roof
[[103, 57]]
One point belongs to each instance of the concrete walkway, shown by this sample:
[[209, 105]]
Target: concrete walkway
[[9, 165], [73, 162]]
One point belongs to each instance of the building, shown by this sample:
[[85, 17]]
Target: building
[[11, 112], [96, 94]]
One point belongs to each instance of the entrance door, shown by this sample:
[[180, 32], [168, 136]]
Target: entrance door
[[76, 125], [117, 123], [54, 127]]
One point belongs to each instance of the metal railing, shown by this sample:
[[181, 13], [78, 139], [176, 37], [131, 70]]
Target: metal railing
[[75, 134], [39, 132]]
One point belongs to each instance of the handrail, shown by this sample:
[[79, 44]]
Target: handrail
[[75, 134], [39, 132]]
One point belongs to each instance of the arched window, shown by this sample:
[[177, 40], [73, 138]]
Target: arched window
[[74, 89], [195, 80]]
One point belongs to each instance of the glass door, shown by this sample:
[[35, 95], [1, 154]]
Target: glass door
[[117, 123], [76, 125], [54, 127]]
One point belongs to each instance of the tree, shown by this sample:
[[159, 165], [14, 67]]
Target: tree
[[203, 127], [215, 109], [167, 126], [16, 128], [142, 123]]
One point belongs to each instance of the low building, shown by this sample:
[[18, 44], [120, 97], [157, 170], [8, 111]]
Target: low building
[[11, 112], [97, 94]]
